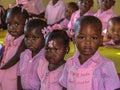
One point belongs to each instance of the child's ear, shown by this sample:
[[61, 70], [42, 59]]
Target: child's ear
[[67, 50]]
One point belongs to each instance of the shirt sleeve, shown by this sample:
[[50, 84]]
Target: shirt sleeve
[[111, 78], [64, 76]]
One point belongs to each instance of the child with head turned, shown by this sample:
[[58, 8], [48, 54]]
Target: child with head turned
[[105, 12], [51, 67], [14, 45], [113, 33], [84, 9], [87, 69], [29, 59]]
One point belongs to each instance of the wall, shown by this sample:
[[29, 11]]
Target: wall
[[116, 8]]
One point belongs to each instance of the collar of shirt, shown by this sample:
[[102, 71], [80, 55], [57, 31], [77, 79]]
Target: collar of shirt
[[95, 58]]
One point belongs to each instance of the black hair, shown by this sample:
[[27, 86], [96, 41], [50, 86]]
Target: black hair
[[19, 10], [35, 23], [88, 20], [73, 5], [115, 19], [59, 34], [3, 24]]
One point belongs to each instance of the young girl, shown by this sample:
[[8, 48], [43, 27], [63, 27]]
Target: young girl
[[113, 33], [51, 67], [87, 69], [84, 9], [55, 11], [70, 9], [14, 45], [29, 59], [105, 12]]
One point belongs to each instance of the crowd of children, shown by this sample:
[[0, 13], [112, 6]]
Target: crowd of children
[[34, 56]]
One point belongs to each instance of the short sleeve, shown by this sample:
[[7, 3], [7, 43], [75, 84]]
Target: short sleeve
[[63, 78], [111, 79]]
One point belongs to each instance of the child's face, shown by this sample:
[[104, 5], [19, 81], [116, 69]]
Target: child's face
[[85, 5], [15, 25], [114, 31], [69, 11], [55, 51], [34, 40], [88, 39], [105, 4]]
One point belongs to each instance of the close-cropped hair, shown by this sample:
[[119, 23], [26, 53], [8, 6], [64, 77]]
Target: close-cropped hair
[[35, 23], [86, 20], [73, 5], [115, 19], [59, 34]]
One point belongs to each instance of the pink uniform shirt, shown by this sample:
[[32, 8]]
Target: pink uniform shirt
[[8, 77], [28, 70], [104, 17], [104, 76], [32, 6], [49, 79], [75, 16], [111, 42], [55, 13]]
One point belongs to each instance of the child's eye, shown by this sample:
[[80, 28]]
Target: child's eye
[[47, 49], [94, 38], [16, 25], [81, 37]]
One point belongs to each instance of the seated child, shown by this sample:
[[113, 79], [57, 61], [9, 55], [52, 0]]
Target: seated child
[[105, 12], [29, 59], [84, 9], [87, 69], [113, 33], [51, 67], [14, 45], [70, 9], [55, 11]]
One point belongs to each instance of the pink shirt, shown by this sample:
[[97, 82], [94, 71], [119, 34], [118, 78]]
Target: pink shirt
[[11, 46], [104, 17], [55, 13], [75, 16], [64, 23], [104, 76], [109, 43], [28, 70], [49, 79], [32, 6]]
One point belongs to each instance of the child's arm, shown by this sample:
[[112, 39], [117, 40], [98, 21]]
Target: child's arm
[[15, 58], [19, 86]]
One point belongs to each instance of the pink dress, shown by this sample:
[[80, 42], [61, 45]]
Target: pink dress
[[104, 17], [49, 79], [55, 13], [75, 16], [32, 6], [109, 43], [28, 70], [97, 73], [8, 77]]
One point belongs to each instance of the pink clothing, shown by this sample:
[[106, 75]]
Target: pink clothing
[[32, 6], [28, 70], [8, 77], [104, 17], [64, 23], [109, 43], [75, 16], [55, 13], [49, 79], [104, 76]]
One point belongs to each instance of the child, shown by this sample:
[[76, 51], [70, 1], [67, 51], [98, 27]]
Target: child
[[29, 59], [113, 33], [70, 9], [84, 9], [105, 12], [51, 67], [34, 7], [87, 69], [3, 25], [55, 11], [14, 45]]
